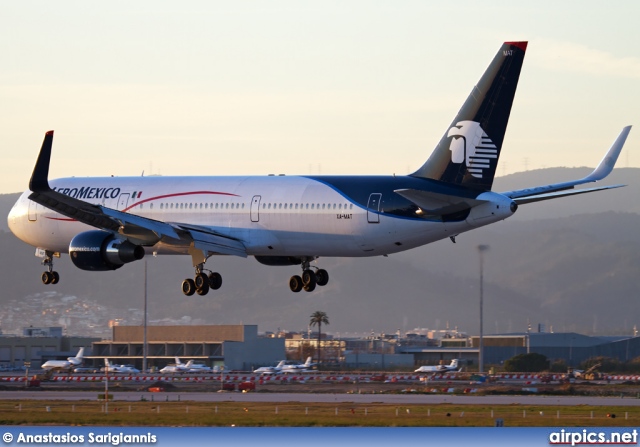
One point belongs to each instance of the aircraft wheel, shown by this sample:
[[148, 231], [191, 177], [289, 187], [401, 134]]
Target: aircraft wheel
[[188, 287], [46, 277], [56, 278], [308, 278], [200, 280], [322, 277], [215, 280], [204, 289], [295, 283]]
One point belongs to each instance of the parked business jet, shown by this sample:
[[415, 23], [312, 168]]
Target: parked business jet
[[126, 369], [439, 368], [270, 369], [65, 365], [106, 222], [298, 367], [177, 367], [192, 367]]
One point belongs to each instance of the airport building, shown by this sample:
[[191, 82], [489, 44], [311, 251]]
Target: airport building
[[571, 347], [240, 347], [38, 345], [237, 347]]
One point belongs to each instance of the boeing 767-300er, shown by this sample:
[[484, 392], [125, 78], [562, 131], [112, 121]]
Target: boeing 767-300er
[[106, 222]]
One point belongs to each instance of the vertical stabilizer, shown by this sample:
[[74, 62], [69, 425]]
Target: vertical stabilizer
[[468, 153]]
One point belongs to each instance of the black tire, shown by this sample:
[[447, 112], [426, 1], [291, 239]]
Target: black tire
[[322, 277], [204, 289], [200, 280], [309, 279], [188, 287], [56, 278], [215, 280], [310, 287], [295, 283], [46, 277]]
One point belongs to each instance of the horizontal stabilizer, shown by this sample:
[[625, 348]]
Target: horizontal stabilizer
[[438, 204], [557, 194], [604, 169]]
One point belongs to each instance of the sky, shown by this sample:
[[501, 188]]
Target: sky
[[300, 87]]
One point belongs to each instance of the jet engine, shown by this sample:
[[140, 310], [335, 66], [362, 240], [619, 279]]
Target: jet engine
[[100, 251]]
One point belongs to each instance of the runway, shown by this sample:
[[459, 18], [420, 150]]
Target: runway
[[399, 399]]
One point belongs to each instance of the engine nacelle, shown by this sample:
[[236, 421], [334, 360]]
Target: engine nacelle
[[100, 251], [278, 260]]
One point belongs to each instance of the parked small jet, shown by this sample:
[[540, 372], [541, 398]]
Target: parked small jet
[[126, 369], [177, 367], [298, 367], [106, 222], [65, 365], [192, 367], [270, 369], [439, 368]]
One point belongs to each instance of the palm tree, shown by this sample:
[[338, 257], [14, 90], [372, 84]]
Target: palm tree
[[317, 318]]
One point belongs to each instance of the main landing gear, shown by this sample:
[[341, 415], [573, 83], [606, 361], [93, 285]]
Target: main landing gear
[[309, 279], [49, 276], [201, 283]]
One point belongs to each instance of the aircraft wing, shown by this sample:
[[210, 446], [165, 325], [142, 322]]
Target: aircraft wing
[[138, 229], [536, 194], [436, 204]]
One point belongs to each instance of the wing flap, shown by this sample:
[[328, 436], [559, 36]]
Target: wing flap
[[214, 243]]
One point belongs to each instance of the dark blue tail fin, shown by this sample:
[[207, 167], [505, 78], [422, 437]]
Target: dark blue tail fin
[[468, 152]]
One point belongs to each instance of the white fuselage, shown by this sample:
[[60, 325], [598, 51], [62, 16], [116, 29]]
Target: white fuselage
[[271, 215]]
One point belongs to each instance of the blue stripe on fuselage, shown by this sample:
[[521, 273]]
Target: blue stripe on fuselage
[[357, 189]]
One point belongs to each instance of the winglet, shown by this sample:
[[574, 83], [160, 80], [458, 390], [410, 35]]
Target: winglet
[[40, 178], [608, 162]]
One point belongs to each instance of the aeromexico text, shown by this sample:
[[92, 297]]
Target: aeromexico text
[[87, 192]]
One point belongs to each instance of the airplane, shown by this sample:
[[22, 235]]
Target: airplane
[[65, 365], [270, 369], [439, 368], [192, 367], [296, 368], [106, 222], [126, 369], [178, 367]]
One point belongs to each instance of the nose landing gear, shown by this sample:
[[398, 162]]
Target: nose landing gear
[[50, 276]]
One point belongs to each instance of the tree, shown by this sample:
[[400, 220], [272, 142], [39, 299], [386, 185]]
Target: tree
[[317, 319], [532, 362]]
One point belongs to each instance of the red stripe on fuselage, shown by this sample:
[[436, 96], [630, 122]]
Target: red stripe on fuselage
[[66, 219]]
